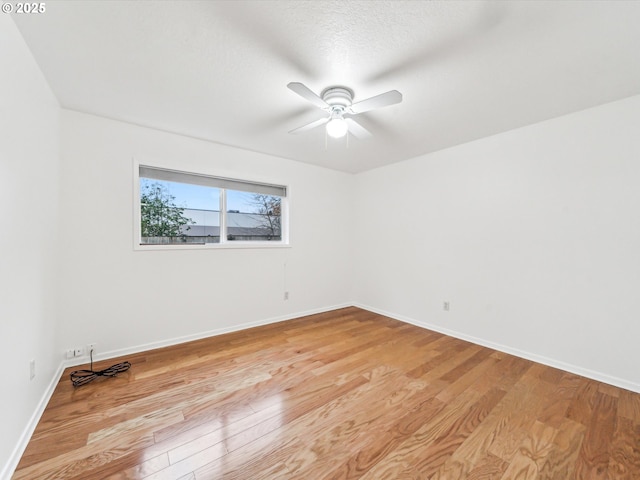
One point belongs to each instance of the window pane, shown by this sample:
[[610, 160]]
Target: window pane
[[253, 216], [178, 213]]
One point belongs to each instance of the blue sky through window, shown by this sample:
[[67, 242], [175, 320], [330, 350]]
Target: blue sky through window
[[204, 198]]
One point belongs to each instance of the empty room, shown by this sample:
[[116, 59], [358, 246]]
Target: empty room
[[287, 239]]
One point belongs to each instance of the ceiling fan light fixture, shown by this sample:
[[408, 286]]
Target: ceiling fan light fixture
[[337, 127], [338, 102]]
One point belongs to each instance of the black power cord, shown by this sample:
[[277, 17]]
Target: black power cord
[[82, 377]]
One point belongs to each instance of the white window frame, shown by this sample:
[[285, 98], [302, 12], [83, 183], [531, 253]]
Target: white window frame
[[224, 242]]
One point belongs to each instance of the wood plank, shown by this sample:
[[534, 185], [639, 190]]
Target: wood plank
[[532, 453], [561, 462], [629, 406], [624, 457], [593, 461]]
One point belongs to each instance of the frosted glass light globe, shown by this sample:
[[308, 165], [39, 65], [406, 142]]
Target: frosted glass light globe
[[337, 128]]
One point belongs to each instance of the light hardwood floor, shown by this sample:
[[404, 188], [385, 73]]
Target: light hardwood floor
[[341, 395]]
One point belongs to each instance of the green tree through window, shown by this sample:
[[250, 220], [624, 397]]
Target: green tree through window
[[160, 216]]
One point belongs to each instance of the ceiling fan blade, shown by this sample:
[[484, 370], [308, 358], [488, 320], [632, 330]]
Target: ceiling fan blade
[[310, 126], [357, 130], [384, 99], [307, 94]]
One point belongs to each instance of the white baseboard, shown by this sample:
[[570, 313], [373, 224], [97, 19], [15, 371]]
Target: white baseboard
[[16, 455], [567, 367], [198, 336]]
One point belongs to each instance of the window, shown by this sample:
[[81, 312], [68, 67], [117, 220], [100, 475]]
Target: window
[[180, 208]]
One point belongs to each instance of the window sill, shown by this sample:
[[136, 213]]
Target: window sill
[[213, 246]]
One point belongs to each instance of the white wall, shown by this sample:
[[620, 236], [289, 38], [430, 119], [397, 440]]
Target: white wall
[[125, 299], [29, 131], [533, 236]]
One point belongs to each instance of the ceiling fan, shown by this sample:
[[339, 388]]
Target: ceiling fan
[[338, 103]]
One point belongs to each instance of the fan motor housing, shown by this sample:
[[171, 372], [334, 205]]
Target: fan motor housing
[[338, 96]]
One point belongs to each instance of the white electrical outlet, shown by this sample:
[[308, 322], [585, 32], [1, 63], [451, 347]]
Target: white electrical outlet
[[446, 306], [32, 369], [286, 295], [70, 353], [91, 347]]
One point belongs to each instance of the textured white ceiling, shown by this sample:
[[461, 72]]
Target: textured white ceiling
[[218, 70]]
